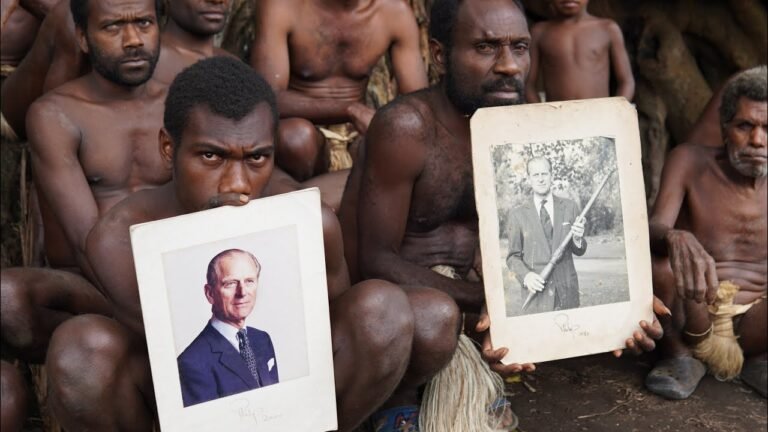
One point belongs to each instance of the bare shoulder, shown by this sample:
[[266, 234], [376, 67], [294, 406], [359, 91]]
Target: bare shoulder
[[139, 207], [221, 52], [540, 28], [690, 158], [608, 25], [396, 9], [50, 114], [410, 115], [279, 11]]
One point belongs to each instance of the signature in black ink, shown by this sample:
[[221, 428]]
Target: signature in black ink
[[563, 322]]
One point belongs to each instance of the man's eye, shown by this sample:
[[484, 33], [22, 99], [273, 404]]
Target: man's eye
[[232, 284], [111, 27], [145, 23], [209, 156], [521, 47], [484, 48]]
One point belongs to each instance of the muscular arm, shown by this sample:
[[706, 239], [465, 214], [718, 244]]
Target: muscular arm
[[625, 82], [53, 60], [111, 257], [54, 143], [531, 93], [410, 72], [390, 171], [38, 8], [270, 57]]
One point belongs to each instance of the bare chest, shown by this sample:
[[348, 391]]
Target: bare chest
[[730, 222], [444, 192], [119, 150], [323, 46], [586, 46]]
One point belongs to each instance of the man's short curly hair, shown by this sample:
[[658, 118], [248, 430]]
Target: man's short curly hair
[[80, 10], [225, 85], [442, 18], [751, 84]]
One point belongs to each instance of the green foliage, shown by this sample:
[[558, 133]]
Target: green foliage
[[578, 167]]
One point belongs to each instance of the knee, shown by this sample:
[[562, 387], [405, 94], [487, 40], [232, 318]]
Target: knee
[[384, 317], [84, 359], [299, 148], [437, 323]]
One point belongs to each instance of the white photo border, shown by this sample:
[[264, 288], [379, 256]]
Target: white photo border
[[303, 404], [590, 330]]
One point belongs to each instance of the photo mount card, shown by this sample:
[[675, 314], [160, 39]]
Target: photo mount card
[[536, 168], [201, 379]]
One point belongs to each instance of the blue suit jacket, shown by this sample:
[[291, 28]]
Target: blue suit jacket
[[530, 251], [211, 367]]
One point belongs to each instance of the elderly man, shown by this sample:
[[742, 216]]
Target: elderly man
[[709, 226], [536, 229], [219, 129], [228, 357]]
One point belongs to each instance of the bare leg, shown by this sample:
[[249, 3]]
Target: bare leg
[[677, 374], [99, 377], [300, 148], [13, 397], [372, 330], [437, 327], [36, 300], [752, 331]]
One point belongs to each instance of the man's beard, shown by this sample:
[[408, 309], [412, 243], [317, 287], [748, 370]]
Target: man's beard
[[468, 103], [745, 168], [109, 67]]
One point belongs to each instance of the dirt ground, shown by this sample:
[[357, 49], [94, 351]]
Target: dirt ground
[[600, 393]]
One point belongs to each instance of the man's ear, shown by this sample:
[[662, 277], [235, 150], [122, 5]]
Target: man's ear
[[82, 41], [166, 147], [208, 293], [437, 53]]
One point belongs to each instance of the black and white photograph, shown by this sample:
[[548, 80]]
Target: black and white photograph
[[235, 307], [562, 236], [563, 227]]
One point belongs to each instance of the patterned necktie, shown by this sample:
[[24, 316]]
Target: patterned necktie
[[546, 222], [247, 354]]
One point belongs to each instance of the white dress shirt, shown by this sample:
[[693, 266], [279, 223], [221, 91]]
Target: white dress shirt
[[228, 331], [549, 206]]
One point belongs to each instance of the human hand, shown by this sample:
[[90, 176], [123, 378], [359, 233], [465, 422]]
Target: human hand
[[577, 229], [493, 356], [360, 116], [693, 268], [643, 341], [533, 282]]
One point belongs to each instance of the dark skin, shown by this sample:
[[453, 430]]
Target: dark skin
[[218, 162], [414, 194], [318, 56], [54, 59], [575, 54], [86, 158], [709, 225], [13, 398], [19, 22], [188, 35]]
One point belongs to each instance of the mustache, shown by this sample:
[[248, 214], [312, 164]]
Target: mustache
[[136, 54], [504, 84], [748, 153]]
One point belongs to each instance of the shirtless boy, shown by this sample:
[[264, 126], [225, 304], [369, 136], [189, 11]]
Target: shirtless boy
[[219, 127], [318, 56], [92, 142], [575, 54], [708, 226]]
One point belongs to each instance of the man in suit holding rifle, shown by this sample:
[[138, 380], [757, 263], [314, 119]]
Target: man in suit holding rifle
[[535, 230]]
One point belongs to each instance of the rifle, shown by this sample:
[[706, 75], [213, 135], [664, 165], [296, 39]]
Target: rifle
[[547, 271]]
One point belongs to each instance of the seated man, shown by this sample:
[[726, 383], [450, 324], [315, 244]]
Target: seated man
[[575, 54], [231, 289], [409, 209], [318, 56], [91, 143], [219, 130], [708, 231]]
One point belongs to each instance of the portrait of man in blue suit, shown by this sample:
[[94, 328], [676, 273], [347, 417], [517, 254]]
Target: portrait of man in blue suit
[[536, 228], [228, 357]]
